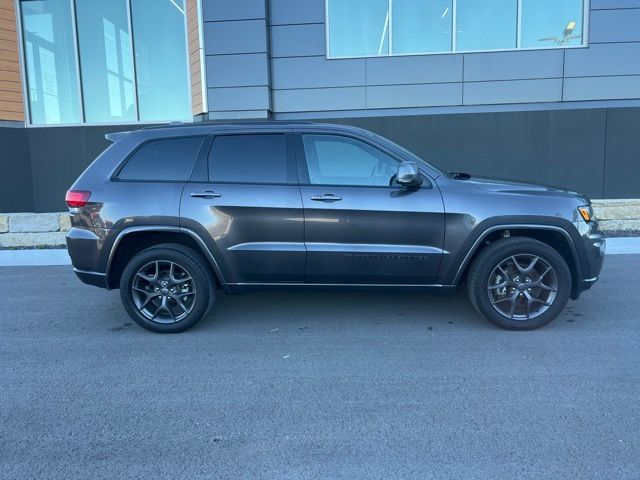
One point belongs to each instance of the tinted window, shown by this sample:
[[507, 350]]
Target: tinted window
[[250, 159], [549, 23], [334, 160], [486, 25], [162, 160]]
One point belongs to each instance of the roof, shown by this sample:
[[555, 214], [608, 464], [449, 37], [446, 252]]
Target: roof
[[203, 128]]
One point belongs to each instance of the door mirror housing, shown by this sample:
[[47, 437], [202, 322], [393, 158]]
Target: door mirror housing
[[408, 175]]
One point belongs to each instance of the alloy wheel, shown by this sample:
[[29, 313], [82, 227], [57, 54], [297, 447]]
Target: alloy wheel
[[163, 291], [522, 287]]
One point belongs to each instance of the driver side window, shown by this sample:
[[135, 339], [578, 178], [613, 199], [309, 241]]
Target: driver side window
[[336, 160]]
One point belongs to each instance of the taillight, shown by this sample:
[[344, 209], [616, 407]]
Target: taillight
[[77, 198]]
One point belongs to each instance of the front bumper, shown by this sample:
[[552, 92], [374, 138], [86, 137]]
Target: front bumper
[[595, 246]]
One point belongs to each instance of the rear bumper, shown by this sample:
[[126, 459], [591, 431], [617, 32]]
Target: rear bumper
[[91, 278], [85, 248]]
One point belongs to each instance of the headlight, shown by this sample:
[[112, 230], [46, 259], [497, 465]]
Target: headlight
[[586, 212]]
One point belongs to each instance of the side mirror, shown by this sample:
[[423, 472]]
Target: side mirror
[[408, 175]]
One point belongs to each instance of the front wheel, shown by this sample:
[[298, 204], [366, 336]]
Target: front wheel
[[519, 283], [166, 288]]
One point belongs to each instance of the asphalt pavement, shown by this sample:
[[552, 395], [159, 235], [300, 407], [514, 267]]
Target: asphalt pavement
[[328, 385]]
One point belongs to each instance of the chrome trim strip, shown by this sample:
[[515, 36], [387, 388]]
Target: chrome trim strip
[[373, 248], [87, 272], [456, 279], [270, 247], [303, 284], [590, 280]]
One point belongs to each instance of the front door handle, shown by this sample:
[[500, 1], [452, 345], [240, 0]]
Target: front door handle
[[327, 197], [206, 194]]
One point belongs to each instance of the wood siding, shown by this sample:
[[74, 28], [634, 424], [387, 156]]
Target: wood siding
[[11, 105], [195, 65]]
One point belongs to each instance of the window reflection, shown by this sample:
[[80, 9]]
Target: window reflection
[[159, 39], [358, 27], [551, 23], [421, 26], [486, 24], [106, 60], [52, 80], [365, 28]]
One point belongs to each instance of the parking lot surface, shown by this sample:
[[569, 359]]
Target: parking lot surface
[[299, 385]]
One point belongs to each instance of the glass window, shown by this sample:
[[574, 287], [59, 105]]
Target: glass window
[[549, 23], [335, 160], [106, 60], [250, 159], [49, 48], [163, 160], [358, 27], [162, 72], [421, 26], [486, 24]]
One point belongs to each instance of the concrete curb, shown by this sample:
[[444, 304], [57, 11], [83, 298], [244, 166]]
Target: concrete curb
[[23, 258]]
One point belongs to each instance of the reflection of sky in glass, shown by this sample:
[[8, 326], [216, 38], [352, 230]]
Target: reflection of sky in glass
[[358, 27], [486, 24], [50, 62], [421, 26], [161, 59], [547, 19], [106, 60]]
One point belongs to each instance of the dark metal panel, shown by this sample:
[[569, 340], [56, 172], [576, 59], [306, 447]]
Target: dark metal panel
[[564, 148], [414, 69], [622, 164], [513, 65], [216, 10], [615, 26], [16, 193], [297, 40], [59, 155]]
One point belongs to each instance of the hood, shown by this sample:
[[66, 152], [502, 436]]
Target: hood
[[505, 186]]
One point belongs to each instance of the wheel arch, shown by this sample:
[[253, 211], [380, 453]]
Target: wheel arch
[[556, 237], [133, 240]]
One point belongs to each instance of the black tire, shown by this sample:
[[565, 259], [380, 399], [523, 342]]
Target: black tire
[[494, 283], [182, 303]]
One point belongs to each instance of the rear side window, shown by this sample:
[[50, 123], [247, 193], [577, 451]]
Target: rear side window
[[250, 159], [163, 160]]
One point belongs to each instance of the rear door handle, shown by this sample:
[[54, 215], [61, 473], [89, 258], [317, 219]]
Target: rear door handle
[[206, 194], [327, 197]]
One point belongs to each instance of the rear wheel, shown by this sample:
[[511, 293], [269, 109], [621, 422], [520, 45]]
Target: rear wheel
[[166, 288], [519, 283]]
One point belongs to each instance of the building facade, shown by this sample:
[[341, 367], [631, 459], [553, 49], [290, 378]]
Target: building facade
[[545, 91]]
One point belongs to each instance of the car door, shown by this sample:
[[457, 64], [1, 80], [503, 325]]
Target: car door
[[360, 228], [249, 210]]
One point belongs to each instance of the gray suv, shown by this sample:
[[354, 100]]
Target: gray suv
[[170, 215]]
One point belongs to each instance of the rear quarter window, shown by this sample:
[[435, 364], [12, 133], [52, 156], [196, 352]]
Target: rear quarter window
[[170, 159]]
